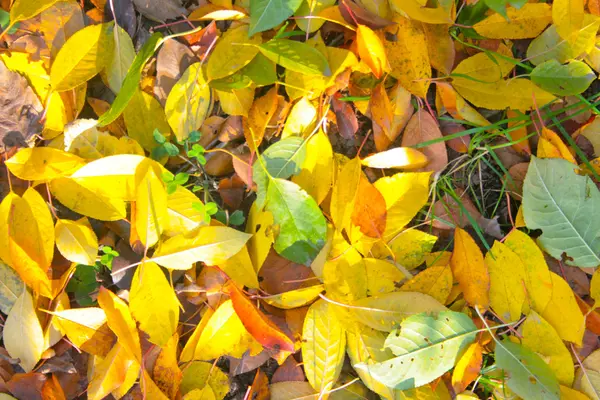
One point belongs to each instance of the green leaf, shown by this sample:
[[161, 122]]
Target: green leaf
[[122, 58], [132, 80], [11, 287], [563, 80], [426, 347], [323, 345], [85, 54], [261, 70], [565, 206], [547, 46], [267, 14], [302, 227], [296, 56], [282, 160], [527, 374]]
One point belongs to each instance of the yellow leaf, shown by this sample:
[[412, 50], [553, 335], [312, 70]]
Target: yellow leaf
[[76, 241], [150, 207], [310, 8], [189, 102], [563, 313], [153, 303], [470, 270], [42, 163], [344, 276], [241, 269], [142, 115], [457, 106], [410, 248], [398, 157], [567, 15], [187, 354], [234, 50], [149, 388], [84, 139], [121, 322], [405, 194], [468, 367], [538, 281], [224, 334], [371, 50], [408, 56], [43, 230], [110, 373], [518, 93], [113, 176], [210, 244], [583, 40], [507, 276], [567, 393], [206, 393], [84, 54], [259, 115], [260, 226], [553, 147], [22, 245], [323, 347], [434, 281], [344, 193], [440, 46], [78, 198], [595, 288], [382, 276], [295, 298], [182, 217], [540, 337], [486, 67], [87, 329], [23, 336], [198, 374], [385, 312], [25, 9], [415, 9], [300, 120], [316, 176], [523, 23], [236, 102]]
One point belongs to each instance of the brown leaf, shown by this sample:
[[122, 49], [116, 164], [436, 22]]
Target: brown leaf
[[290, 370], [232, 191], [27, 386], [370, 210], [260, 114], [172, 61], [517, 176], [218, 164], [354, 13], [448, 209], [21, 110], [232, 129], [459, 144], [160, 10], [247, 363], [345, 116], [279, 275], [52, 390], [423, 128], [260, 387]]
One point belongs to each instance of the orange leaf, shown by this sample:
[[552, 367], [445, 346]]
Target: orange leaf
[[369, 209], [121, 322], [469, 269], [551, 146], [468, 367], [52, 390], [518, 135], [259, 115], [259, 326], [592, 320], [381, 112], [371, 50]]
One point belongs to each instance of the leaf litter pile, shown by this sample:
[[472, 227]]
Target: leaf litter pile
[[299, 199]]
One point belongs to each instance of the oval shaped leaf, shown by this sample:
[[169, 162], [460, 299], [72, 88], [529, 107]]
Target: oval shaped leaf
[[267, 14], [563, 80], [296, 56]]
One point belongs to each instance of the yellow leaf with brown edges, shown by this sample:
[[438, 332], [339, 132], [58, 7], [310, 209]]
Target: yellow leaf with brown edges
[[469, 269], [371, 50]]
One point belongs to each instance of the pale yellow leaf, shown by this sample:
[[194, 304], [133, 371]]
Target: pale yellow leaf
[[410, 247], [22, 335], [323, 347], [300, 120], [236, 102], [295, 298], [398, 157], [260, 226], [182, 217], [87, 329], [210, 244], [153, 303], [123, 55], [150, 207], [344, 193], [110, 373], [311, 8], [76, 241], [415, 9], [121, 322], [567, 16], [382, 276]]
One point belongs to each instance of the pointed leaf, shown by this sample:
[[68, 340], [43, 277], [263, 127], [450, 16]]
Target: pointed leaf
[[296, 56], [76, 241], [267, 14]]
